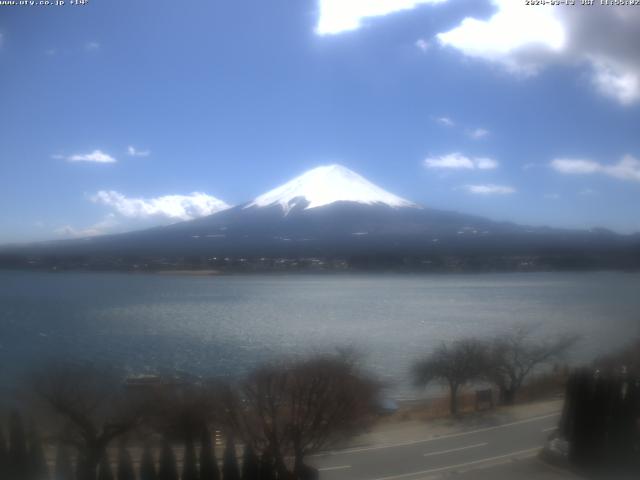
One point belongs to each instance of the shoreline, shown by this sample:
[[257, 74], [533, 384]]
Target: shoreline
[[311, 272], [194, 273]]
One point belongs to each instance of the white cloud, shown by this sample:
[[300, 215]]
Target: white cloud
[[337, 16], [97, 156], [628, 168], [512, 28], [489, 189], [106, 225], [485, 163], [175, 207], [452, 160], [526, 39], [131, 213], [422, 45], [478, 133], [135, 213], [133, 152], [457, 161], [617, 82], [446, 121], [575, 166], [91, 46]]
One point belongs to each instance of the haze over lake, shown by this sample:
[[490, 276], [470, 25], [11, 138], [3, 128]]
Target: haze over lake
[[222, 326]]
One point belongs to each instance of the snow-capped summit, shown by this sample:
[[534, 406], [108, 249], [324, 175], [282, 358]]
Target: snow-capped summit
[[325, 185]]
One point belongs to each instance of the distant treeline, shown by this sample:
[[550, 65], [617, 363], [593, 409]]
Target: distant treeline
[[627, 260]]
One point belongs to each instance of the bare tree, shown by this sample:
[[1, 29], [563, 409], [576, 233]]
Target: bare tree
[[93, 408], [329, 400], [263, 411], [301, 407], [180, 409], [456, 364], [514, 356]]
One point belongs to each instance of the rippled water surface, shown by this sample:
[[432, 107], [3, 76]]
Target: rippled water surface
[[225, 325]]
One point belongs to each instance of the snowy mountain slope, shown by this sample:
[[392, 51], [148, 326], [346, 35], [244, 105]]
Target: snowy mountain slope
[[326, 185], [332, 212]]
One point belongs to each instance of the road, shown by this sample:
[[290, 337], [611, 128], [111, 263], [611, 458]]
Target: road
[[460, 452]]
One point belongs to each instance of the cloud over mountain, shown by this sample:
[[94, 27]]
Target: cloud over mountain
[[175, 207]]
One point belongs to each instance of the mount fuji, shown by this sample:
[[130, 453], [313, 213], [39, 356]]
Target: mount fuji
[[331, 212], [325, 185]]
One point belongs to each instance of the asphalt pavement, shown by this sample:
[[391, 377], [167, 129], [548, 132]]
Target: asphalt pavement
[[507, 450]]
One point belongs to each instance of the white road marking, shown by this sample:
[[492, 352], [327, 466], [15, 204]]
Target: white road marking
[[549, 429], [338, 467], [460, 465], [442, 452], [433, 439]]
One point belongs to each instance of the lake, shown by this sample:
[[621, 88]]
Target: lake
[[225, 325]]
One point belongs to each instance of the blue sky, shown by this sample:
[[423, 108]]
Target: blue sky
[[113, 114]]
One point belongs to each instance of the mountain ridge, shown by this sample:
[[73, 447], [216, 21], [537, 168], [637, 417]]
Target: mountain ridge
[[308, 218]]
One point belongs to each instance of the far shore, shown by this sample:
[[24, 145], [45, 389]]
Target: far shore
[[198, 273]]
